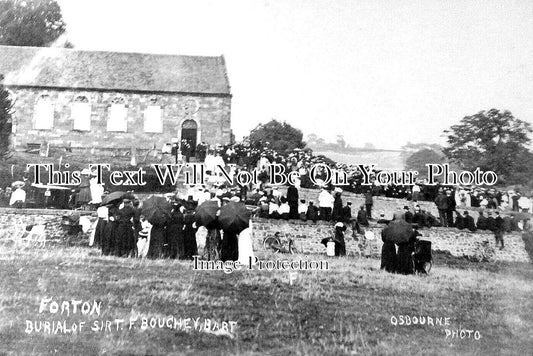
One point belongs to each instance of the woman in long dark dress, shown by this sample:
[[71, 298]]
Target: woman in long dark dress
[[174, 234], [340, 244], [405, 254], [126, 237], [337, 213], [388, 256], [189, 235], [110, 231], [157, 238], [230, 246]]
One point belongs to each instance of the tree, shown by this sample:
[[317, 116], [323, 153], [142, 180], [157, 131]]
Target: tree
[[35, 23], [417, 161], [6, 107], [280, 135], [341, 142], [492, 140]]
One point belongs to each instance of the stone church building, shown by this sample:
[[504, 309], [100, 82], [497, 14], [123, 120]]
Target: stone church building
[[111, 100]]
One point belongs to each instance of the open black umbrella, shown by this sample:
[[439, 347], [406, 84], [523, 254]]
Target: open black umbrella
[[234, 217], [156, 210], [111, 197], [206, 213], [325, 241], [398, 231]]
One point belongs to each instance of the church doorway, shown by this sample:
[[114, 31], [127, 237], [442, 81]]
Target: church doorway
[[189, 131]]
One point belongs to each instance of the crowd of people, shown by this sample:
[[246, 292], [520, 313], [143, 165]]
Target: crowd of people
[[254, 155], [124, 230], [120, 226]]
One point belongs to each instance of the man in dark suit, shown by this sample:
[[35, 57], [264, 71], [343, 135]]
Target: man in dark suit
[[451, 207], [347, 212], [491, 223], [468, 222], [408, 216], [361, 216], [369, 202], [481, 221], [498, 230]]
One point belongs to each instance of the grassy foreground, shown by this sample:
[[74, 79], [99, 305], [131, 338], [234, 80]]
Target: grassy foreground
[[346, 310]]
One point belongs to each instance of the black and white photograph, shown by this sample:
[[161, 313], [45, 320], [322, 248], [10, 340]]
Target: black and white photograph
[[266, 177]]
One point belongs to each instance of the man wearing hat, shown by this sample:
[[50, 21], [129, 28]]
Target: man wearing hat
[[369, 202], [361, 216], [442, 205], [408, 216], [347, 212]]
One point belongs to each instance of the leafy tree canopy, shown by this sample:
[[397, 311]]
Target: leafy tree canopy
[[279, 135], [417, 161], [491, 140], [35, 23]]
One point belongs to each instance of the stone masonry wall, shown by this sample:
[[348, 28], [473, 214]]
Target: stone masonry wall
[[213, 118], [307, 235], [459, 243]]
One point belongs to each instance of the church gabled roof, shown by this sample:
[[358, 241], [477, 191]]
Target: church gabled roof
[[98, 70]]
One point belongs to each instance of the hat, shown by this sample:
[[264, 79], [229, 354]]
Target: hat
[[339, 224], [349, 203], [143, 233], [235, 199], [406, 207], [337, 190]]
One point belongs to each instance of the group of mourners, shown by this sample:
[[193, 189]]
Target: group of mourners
[[397, 256], [123, 231]]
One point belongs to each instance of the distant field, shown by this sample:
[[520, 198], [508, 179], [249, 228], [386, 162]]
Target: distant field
[[392, 160], [346, 310]]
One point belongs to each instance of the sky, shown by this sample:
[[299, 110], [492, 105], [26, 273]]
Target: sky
[[384, 72]]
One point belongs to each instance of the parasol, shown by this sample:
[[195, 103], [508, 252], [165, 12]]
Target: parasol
[[206, 213], [398, 231], [234, 217], [156, 210], [111, 197]]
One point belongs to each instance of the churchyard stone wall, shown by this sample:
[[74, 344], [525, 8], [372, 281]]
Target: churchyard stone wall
[[211, 113], [478, 246]]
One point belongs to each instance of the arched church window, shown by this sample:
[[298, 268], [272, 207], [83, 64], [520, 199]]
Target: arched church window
[[43, 114], [81, 113], [117, 120], [153, 121]]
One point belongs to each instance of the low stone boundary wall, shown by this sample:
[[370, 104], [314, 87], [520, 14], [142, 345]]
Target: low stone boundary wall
[[477, 246], [307, 235]]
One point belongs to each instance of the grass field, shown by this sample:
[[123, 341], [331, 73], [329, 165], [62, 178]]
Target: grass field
[[346, 310]]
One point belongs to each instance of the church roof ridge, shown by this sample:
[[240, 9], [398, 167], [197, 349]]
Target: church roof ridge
[[105, 70]]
